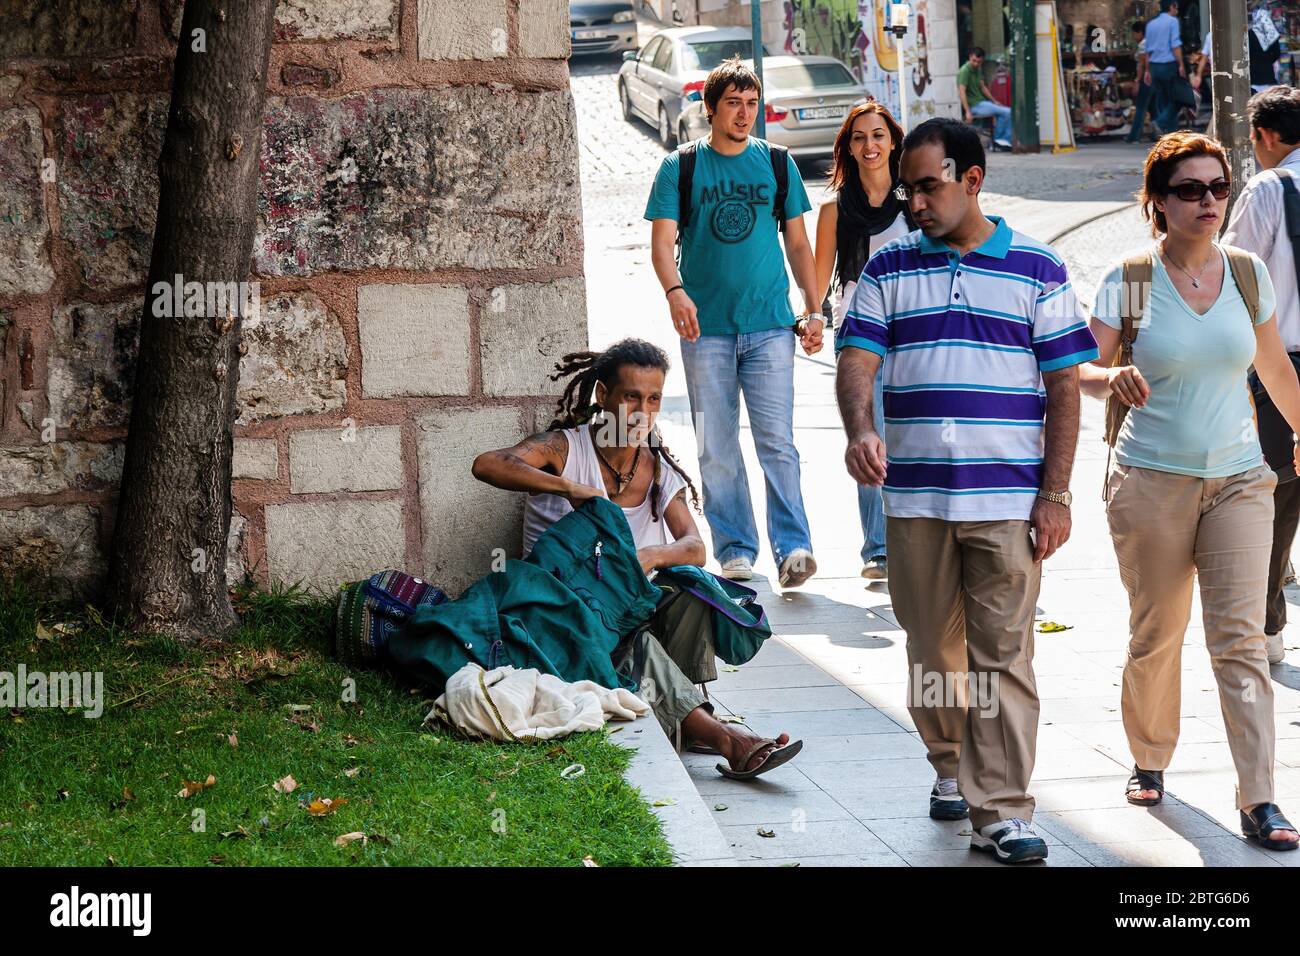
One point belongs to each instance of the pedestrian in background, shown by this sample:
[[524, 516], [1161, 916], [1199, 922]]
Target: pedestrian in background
[[1190, 494], [1143, 99], [1165, 66], [865, 214], [1264, 218], [730, 303]]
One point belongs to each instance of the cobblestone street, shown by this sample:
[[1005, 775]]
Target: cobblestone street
[[835, 674]]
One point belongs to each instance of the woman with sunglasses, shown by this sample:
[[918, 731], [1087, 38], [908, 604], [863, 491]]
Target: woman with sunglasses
[[1190, 493], [864, 215]]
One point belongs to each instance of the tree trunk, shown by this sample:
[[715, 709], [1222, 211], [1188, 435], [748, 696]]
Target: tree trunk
[[167, 568], [1230, 59]]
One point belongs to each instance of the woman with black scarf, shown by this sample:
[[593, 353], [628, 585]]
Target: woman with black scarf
[[864, 216]]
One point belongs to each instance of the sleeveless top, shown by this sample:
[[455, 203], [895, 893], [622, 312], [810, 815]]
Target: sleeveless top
[[583, 466]]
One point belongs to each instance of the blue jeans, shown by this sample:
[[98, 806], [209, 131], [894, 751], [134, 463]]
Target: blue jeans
[[1164, 107], [1002, 127], [871, 502], [761, 365], [1140, 111]]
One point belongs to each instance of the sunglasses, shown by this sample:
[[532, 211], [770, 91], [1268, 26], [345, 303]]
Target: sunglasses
[[1194, 191]]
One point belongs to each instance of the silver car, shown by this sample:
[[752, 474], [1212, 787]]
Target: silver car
[[806, 99], [657, 81], [599, 26]]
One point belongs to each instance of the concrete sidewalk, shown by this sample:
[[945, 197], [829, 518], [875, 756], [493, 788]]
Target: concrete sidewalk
[[835, 674]]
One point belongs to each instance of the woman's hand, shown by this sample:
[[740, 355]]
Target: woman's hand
[[810, 333], [1127, 384]]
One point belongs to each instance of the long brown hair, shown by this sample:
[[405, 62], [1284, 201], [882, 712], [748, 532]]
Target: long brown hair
[[843, 166], [1170, 150]]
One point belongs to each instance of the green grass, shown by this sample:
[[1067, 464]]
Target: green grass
[[93, 791]]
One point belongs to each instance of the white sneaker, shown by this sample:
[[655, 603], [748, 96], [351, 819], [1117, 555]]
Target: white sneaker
[[738, 569], [1276, 652], [877, 569], [799, 565], [1011, 841]]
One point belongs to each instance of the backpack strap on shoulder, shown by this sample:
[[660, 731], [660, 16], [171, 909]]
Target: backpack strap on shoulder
[[1242, 265], [781, 170], [1135, 293], [685, 179]]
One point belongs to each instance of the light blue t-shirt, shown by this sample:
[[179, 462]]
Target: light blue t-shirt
[[733, 266], [1198, 419], [1162, 37]]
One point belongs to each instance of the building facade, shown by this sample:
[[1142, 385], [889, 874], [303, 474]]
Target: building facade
[[418, 257]]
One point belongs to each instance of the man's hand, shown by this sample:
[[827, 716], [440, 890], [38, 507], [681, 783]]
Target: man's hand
[[647, 559], [1051, 523], [1127, 384], [1182, 70], [810, 334], [866, 460], [577, 493], [970, 117], [685, 318], [1146, 77]]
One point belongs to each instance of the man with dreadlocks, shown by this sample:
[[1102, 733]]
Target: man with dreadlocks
[[604, 444]]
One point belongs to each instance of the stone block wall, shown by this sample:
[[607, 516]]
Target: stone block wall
[[419, 256]]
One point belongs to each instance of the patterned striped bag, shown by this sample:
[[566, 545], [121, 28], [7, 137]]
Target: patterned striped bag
[[371, 611]]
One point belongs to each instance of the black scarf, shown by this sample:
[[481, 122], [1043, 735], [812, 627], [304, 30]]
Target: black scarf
[[857, 222]]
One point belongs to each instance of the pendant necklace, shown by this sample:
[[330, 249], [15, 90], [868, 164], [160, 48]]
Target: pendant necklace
[[1196, 279]]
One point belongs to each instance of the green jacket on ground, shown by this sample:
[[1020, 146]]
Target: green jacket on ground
[[563, 610]]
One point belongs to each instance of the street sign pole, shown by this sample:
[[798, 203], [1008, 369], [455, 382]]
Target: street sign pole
[[756, 25], [1230, 57]]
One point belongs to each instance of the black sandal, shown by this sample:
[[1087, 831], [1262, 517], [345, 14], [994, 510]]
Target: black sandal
[[1145, 780], [1262, 822]]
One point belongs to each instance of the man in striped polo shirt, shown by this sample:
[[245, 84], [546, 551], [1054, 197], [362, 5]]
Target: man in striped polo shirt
[[981, 403]]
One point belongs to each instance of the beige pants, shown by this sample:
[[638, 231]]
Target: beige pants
[[1165, 528], [964, 592]]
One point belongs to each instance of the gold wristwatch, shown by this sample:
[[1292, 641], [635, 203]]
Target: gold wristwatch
[[1057, 497]]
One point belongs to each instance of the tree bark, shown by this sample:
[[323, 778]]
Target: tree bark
[[167, 566], [1230, 59]]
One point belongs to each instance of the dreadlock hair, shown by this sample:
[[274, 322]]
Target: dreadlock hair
[[577, 405]]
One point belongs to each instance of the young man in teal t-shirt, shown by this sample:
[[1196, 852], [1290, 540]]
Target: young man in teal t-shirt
[[730, 304]]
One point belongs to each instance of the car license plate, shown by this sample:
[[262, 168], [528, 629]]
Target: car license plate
[[822, 112], [588, 33]]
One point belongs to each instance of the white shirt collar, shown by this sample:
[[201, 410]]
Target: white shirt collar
[[1292, 160]]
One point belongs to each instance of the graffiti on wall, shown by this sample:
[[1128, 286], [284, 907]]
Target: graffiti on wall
[[852, 31]]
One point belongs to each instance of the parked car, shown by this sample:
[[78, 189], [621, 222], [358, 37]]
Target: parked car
[[805, 100], [656, 81], [602, 27]]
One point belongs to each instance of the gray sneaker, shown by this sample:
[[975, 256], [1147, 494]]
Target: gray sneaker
[[1010, 841], [1276, 652], [738, 569], [799, 565], [876, 569]]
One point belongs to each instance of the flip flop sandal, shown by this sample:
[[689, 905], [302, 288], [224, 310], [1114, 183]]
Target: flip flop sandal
[[703, 749], [1262, 822], [777, 757], [1145, 780]]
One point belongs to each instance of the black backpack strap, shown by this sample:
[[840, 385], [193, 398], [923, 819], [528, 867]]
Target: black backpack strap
[[1291, 205], [685, 179], [781, 170]]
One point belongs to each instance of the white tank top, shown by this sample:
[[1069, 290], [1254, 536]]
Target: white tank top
[[582, 466]]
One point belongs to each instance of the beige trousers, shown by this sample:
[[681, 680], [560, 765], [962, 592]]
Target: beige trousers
[[964, 591], [1166, 527]]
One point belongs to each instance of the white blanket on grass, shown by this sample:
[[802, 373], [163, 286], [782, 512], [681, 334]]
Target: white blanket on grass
[[510, 704]]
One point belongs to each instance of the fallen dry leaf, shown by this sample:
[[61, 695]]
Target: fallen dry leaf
[[351, 771], [323, 806], [765, 832], [588, 861], [347, 838], [233, 740], [190, 787], [285, 784]]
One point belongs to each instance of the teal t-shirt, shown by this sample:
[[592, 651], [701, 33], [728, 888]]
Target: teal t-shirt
[[733, 266], [1198, 420]]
